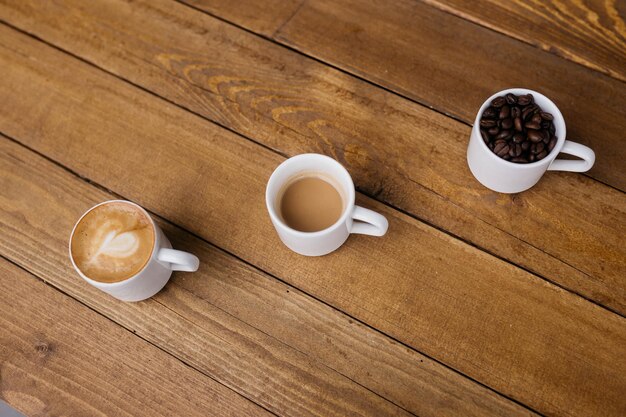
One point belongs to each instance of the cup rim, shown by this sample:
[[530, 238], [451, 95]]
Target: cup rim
[[294, 159], [557, 116], [125, 281]]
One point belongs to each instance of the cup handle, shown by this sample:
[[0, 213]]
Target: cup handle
[[179, 260], [572, 148], [369, 222]]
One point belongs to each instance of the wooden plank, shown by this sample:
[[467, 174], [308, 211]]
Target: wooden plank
[[263, 17], [453, 65], [591, 32], [496, 323], [296, 105], [60, 358], [230, 309]]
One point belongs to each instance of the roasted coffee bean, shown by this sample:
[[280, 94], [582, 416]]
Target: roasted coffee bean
[[518, 124], [499, 145], [487, 123], [499, 141], [505, 134], [511, 98], [507, 123], [552, 143], [539, 147], [534, 136], [527, 113], [515, 112], [490, 144], [515, 149], [524, 100], [531, 157], [490, 113], [506, 157], [493, 131], [525, 146], [503, 151], [498, 102], [536, 118], [552, 129], [546, 116], [519, 160], [505, 111], [484, 135], [545, 125], [532, 125], [518, 138], [546, 136], [542, 155]]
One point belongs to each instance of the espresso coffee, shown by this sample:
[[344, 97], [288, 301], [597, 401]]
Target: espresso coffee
[[112, 242], [310, 204]]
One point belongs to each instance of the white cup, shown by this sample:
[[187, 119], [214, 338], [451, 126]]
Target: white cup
[[154, 275], [367, 222], [509, 177]]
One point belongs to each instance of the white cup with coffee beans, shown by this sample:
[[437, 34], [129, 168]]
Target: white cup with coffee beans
[[516, 138]]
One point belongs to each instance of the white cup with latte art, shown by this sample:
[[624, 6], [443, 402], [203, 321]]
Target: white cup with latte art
[[116, 247]]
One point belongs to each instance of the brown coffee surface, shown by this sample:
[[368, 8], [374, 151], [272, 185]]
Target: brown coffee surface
[[112, 242], [310, 204]]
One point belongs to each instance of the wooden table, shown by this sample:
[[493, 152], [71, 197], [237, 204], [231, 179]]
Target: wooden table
[[475, 303]]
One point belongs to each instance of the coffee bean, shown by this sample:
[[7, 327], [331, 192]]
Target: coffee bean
[[498, 145], [536, 118], [511, 98], [515, 150], [552, 143], [498, 102], [546, 116], [531, 157], [545, 125], [534, 136], [505, 111], [525, 146], [505, 134], [519, 160], [527, 113], [524, 100], [484, 135], [552, 129], [546, 136], [518, 138], [542, 155], [518, 124], [539, 147], [487, 123], [503, 151], [490, 144], [490, 113], [515, 112], [493, 131], [532, 125], [507, 123]]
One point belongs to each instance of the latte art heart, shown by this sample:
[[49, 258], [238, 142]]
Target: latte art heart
[[117, 245]]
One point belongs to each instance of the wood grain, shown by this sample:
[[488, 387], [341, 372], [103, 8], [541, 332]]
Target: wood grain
[[263, 17], [232, 321], [589, 32], [57, 357], [500, 325], [453, 65], [392, 147]]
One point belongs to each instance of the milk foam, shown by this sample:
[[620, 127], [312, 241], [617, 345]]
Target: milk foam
[[112, 242]]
